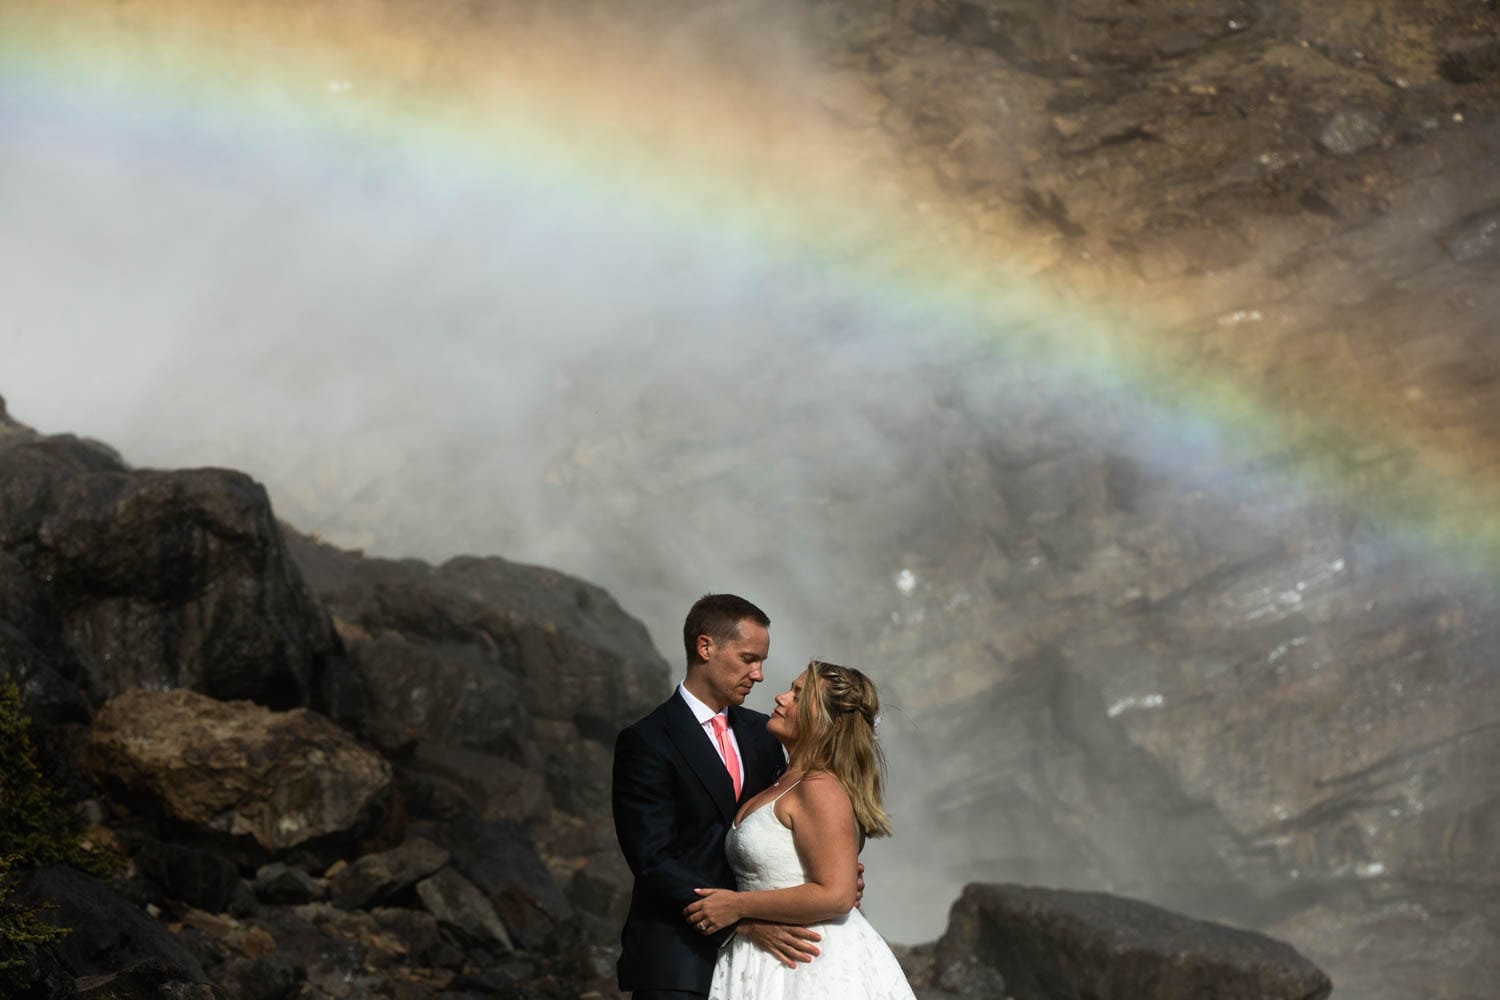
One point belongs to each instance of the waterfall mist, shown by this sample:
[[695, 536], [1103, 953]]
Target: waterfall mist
[[421, 360]]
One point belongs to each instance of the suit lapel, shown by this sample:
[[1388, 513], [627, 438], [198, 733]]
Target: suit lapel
[[692, 743]]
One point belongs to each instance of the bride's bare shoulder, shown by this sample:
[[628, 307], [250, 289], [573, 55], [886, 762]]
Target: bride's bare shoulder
[[820, 787], [817, 779]]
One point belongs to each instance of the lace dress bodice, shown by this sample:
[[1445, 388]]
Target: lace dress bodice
[[762, 853], [853, 963]]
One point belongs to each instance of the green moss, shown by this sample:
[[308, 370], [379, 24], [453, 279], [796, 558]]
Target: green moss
[[35, 829], [21, 933]]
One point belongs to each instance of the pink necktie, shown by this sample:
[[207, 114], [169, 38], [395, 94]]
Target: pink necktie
[[726, 750]]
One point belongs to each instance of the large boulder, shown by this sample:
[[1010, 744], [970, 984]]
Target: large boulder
[[501, 860], [470, 652], [277, 779], [382, 874], [33, 654], [498, 687], [457, 904], [1047, 943], [148, 980], [109, 933], [156, 579], [48, 696], [281, 883]]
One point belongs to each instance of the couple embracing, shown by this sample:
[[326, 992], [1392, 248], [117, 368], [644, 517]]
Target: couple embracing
[[743, 831]]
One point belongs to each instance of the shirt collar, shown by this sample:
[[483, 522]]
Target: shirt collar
[[701, 712]]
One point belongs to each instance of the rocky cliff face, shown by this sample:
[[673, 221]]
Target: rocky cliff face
[[331, 776], [448, 836], [1220, 678]]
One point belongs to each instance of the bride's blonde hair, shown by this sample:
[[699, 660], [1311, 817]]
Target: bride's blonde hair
[[836, 712]]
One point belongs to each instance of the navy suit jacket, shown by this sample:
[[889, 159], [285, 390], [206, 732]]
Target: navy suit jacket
[[673, 804]]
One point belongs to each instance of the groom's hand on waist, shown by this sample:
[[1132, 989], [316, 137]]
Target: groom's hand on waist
[[787, 943]]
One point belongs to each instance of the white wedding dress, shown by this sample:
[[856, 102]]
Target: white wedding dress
[[853, 962]]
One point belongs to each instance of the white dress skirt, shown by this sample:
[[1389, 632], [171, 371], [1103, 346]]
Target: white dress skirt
[[853, 961]]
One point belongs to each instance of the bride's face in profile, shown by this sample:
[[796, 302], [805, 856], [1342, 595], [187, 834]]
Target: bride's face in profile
[[783, 721]]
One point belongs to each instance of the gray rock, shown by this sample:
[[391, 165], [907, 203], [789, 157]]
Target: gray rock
[[47, 696], [489, 644], [33, 653], [500, 858], [282, 883], [1473, 237], [449, 783], [1350, 132], [148, 980], [270, 977], [970, 977], [422, 690], [162, 579], [109, 933], [418, 932], [307, 936], [455, 902], [379, 876], [1046, 943]]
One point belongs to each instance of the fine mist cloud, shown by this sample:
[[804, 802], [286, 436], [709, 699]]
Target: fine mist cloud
[[421, 356], [421, 359]]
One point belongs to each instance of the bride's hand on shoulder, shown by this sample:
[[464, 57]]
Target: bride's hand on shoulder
[[714, 910]]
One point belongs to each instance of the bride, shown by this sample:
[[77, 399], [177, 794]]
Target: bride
[[795, 846]]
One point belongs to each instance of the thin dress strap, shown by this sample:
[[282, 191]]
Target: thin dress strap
[[767, 805], [788, 788]]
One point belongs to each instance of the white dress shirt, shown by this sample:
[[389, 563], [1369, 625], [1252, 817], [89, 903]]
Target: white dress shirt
[[705, 716]]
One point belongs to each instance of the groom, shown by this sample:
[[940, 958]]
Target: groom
[[679, 776]]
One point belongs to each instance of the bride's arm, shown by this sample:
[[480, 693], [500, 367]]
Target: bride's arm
[[827, 838]]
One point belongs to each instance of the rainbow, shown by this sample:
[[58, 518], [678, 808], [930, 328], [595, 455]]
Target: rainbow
[[710, 147]]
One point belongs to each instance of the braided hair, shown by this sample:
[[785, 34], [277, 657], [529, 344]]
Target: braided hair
[[836, 712]]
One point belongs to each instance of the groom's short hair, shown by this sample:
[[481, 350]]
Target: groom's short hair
[[717, 616]]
